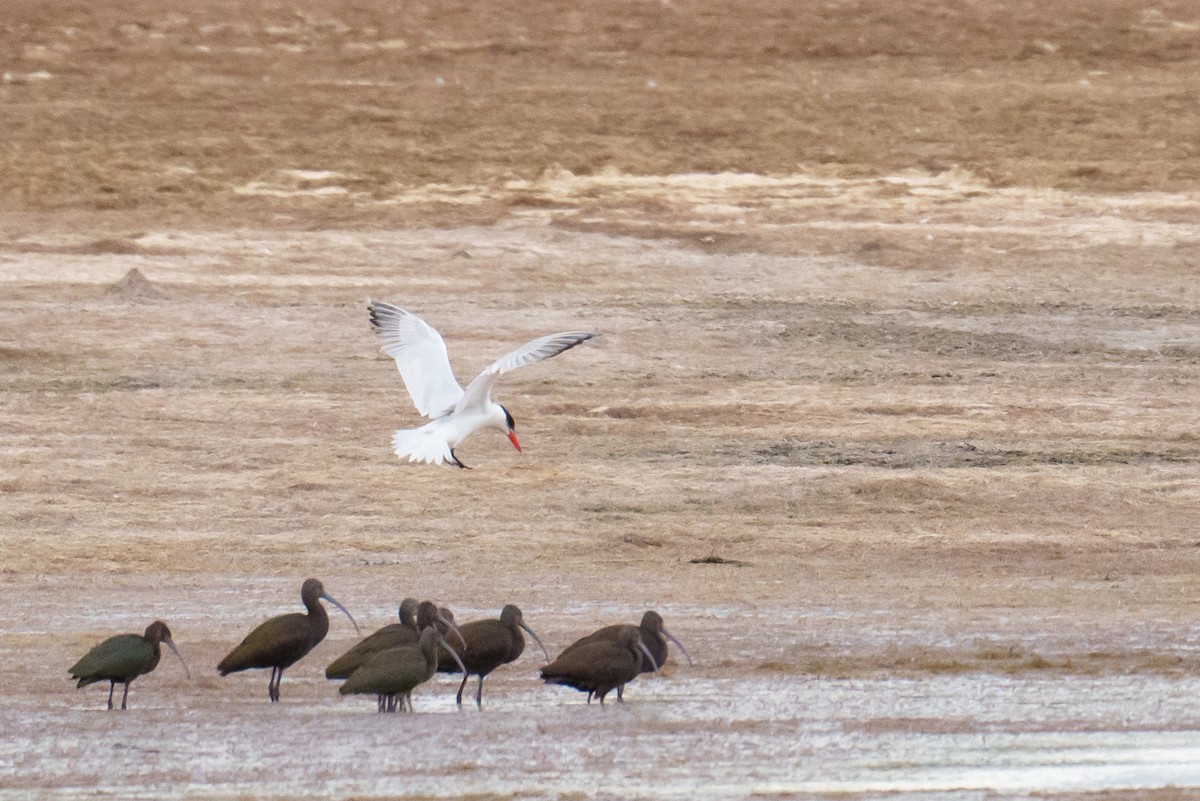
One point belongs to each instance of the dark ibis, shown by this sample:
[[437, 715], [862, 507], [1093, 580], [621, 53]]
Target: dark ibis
[[284, 640], [654, 637], [123, 658], [598, 666], [489, 644], [393, 674], [392, 635]]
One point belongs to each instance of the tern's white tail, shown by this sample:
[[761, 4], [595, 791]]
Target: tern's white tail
[[421, 445]]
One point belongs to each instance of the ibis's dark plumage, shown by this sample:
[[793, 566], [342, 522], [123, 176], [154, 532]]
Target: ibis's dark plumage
[[285, 639], [393, 635], [121, 659], [601, 665], [489, 644], [654, 637], [389, 637], [394, 673]]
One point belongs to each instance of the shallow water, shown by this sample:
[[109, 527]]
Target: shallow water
[[685, 736]]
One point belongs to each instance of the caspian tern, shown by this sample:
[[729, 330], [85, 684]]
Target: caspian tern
[[454, 413]]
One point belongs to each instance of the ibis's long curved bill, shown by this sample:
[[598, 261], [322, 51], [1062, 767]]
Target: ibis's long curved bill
[[450, 626], [175, 650], [538, 640], [648, 655], [333, 601], [442, 642], [678, 644]]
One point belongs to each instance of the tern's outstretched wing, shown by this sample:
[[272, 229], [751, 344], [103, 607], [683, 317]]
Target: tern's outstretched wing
[[420, 355], [479, 390]]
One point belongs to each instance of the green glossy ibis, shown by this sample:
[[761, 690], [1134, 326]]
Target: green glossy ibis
[[123, 658], [598, 666], [284, 640], [393, 674], [489, 644]]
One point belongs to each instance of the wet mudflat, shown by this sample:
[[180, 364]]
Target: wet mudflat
[[892, 416], [692, 736], [909, 555]]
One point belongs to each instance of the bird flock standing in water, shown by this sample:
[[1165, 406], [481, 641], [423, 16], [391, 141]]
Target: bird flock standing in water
[[393, 661]]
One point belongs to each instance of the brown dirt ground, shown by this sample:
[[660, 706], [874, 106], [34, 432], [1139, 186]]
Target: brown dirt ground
[[898, 306]]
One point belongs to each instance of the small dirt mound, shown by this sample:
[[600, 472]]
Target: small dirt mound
[[135, 288]]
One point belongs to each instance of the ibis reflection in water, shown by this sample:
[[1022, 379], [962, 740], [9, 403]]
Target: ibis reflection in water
[[285, 639], [121, 659]]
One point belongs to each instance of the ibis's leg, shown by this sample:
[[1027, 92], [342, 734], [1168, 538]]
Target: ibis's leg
[[458, 698], [273, 686]]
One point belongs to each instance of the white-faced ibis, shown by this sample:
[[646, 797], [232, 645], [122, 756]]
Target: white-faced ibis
[[394, 673], [123, 658], [284, 640], [598, 666], [392, 635], [454, 413], [414, 617], [490, 644], [654, 637]]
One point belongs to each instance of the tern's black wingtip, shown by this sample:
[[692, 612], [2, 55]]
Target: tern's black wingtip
[[375, 311]]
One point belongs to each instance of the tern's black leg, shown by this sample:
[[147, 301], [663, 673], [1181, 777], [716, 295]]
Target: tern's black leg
[[457, 461]]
